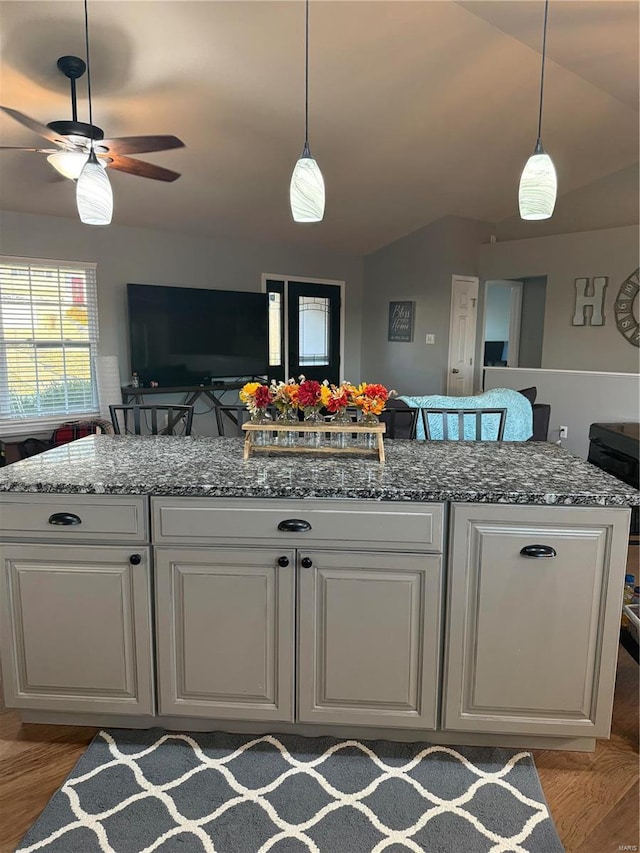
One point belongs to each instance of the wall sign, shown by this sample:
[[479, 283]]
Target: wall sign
[[596, 301], [401, 321], [626, 301]]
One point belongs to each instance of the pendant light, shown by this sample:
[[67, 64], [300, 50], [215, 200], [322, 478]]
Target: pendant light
[[94, 196], [538, 183], [306, 191]]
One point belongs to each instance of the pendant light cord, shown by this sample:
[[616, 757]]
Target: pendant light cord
[[306, 76], [86, 40], [544, 50]]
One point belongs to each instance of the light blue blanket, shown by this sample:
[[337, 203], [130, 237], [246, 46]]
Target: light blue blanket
[[518, 423]]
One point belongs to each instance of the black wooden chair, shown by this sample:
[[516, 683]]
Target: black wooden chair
[[400, 420], [144, 419], [229, 419], [477, 414]]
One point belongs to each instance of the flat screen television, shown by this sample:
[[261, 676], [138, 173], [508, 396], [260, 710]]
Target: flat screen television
[[194, 336]]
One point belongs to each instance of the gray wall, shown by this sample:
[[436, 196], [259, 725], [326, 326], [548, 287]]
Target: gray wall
[[563, 258], [156, 257], [417, 267], [577, 399], [534, 292]]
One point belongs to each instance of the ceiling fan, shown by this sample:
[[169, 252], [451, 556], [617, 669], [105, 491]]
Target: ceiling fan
[[73, 139]]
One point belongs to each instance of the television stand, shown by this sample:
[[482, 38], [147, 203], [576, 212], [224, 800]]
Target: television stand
[[193, 392]]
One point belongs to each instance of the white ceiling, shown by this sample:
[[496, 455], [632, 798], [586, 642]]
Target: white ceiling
[[417, 109]]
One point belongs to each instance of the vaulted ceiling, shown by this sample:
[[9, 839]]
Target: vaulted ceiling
[[417, 109]]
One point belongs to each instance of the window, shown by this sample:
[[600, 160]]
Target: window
[[48, 341]]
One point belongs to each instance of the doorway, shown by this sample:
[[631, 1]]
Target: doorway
[[513, 323], [502, 317], [305, 328]]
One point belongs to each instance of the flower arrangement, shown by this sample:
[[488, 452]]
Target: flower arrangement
[[256, 396], [339, 398], [370, 398], [312, 396], [284, 396]]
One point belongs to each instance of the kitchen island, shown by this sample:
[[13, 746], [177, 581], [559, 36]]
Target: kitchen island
[[463, 592]]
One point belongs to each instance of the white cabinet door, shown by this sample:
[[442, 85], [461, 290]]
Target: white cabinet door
[[369, 638], [225, 632], [76, 628], [534, 614]]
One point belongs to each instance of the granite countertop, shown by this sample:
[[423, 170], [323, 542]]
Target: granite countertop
[[490, 472]]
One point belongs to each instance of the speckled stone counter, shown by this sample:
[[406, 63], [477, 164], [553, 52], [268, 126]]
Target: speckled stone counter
[[488, 472]]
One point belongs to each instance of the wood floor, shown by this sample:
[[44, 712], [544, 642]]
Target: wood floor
[[593, 797]]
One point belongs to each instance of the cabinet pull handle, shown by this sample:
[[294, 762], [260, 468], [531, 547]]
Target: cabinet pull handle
[[64, 518], [135, 559], [306, 562], [294, 525], [538, 551], [283, 562]]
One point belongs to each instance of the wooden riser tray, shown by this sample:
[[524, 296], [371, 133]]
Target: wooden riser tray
[[378, 430]]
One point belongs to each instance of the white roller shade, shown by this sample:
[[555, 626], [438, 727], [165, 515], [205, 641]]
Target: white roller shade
[[48, 342]]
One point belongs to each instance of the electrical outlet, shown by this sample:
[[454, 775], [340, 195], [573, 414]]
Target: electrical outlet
[[430, 339], [564, 432]]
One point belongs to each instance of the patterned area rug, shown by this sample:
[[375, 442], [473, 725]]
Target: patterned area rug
[[135, 791]]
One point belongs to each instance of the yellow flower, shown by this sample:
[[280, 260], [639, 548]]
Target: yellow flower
[[325, 394], [247, 391]]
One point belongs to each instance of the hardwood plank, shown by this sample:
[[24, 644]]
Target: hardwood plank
[[34, 762], [618, 829]]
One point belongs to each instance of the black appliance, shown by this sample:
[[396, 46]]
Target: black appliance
[[191, 336], [616, 449]]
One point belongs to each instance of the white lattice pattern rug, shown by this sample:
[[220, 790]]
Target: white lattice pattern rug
[[150, 791]]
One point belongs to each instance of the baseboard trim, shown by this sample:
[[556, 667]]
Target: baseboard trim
[[191, 724]]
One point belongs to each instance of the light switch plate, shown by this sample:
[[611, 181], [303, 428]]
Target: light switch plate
[[430, 339]]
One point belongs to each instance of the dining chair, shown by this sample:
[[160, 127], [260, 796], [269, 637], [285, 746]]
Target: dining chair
[[400, 422], [145, 419], [229, 418], [430, 426]]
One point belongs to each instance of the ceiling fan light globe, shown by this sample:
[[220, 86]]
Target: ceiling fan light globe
[[538, 187], [306, 191], [68, 163], [94, 196]]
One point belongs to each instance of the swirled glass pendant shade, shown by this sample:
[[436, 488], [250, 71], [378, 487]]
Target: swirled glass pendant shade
[[94, 196], [538, 186], [306, 192]]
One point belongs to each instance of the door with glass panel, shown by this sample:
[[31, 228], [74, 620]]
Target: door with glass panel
[[304, 327]]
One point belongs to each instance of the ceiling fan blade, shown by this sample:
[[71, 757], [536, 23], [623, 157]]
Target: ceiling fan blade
[[38, 150], [141, 144], [32, 124], [139, 167]]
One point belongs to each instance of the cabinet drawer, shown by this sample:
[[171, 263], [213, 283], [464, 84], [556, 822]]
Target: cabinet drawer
[[385, 525], [80, 517]]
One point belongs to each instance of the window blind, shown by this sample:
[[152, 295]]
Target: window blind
[[48, 342]]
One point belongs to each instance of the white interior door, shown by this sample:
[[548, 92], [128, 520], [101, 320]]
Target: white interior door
[[462, 335]]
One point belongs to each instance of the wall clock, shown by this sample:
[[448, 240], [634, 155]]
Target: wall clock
[[627, 310]]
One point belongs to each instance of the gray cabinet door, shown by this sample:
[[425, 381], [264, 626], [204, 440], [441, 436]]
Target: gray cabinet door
[[532, 641], [369, 638], [225, 632], [76, 628]]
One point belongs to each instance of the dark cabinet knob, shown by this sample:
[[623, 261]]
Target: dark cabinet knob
[[306, 562], [64, 518], [283, 562], [538, 551], [135, 559], [294, 525]]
